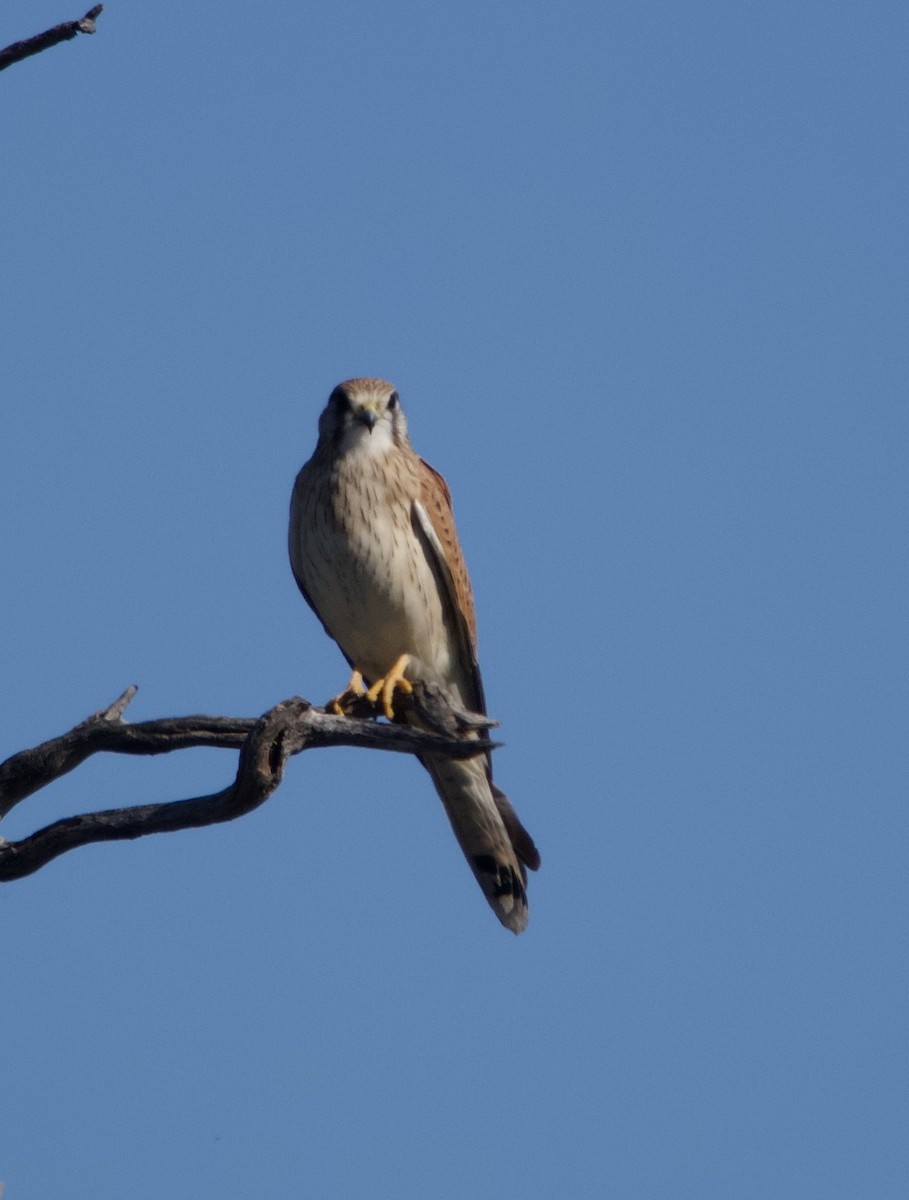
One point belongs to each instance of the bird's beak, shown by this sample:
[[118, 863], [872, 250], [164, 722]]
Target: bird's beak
[[367, 416]]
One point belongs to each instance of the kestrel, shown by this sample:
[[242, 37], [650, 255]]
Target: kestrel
[[374, 550]]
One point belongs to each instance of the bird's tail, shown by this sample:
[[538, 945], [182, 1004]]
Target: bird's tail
[[494, 841]]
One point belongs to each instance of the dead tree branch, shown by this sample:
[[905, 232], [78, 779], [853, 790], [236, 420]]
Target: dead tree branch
[[265, 744], [51, 37]]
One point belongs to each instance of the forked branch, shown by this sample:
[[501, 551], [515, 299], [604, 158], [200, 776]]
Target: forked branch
[[265, 744]]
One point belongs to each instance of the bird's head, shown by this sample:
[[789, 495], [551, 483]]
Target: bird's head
[[363, 414]]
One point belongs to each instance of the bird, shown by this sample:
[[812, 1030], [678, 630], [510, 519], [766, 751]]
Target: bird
[[374, 551]]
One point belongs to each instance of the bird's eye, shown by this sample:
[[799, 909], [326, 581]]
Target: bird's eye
[[392, 401]]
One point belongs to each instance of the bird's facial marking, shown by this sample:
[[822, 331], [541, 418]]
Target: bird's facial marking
[[335, 416], [338, 401]]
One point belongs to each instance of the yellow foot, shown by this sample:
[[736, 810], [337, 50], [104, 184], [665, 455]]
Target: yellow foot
[[343, 703], [386, 687]]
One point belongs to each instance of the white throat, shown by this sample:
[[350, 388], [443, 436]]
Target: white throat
[[360, 441]]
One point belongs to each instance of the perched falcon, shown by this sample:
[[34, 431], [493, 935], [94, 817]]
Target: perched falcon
[[374, 550]]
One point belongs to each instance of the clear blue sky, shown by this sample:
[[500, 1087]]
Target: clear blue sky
[[639, 273]]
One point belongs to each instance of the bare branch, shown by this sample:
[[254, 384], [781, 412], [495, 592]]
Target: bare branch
[[265, 745], [34, 769], [272, 739], [51, 37]]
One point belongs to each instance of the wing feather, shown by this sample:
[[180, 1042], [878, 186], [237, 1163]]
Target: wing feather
[[434, 519]]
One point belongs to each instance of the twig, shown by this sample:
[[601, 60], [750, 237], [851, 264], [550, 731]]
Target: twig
[[265, 745], [51, 37]]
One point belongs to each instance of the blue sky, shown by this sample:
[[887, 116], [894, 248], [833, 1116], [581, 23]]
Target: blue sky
[[639, 274]]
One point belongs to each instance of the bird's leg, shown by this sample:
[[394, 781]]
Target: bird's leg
[[342, 704], [386, 687]]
